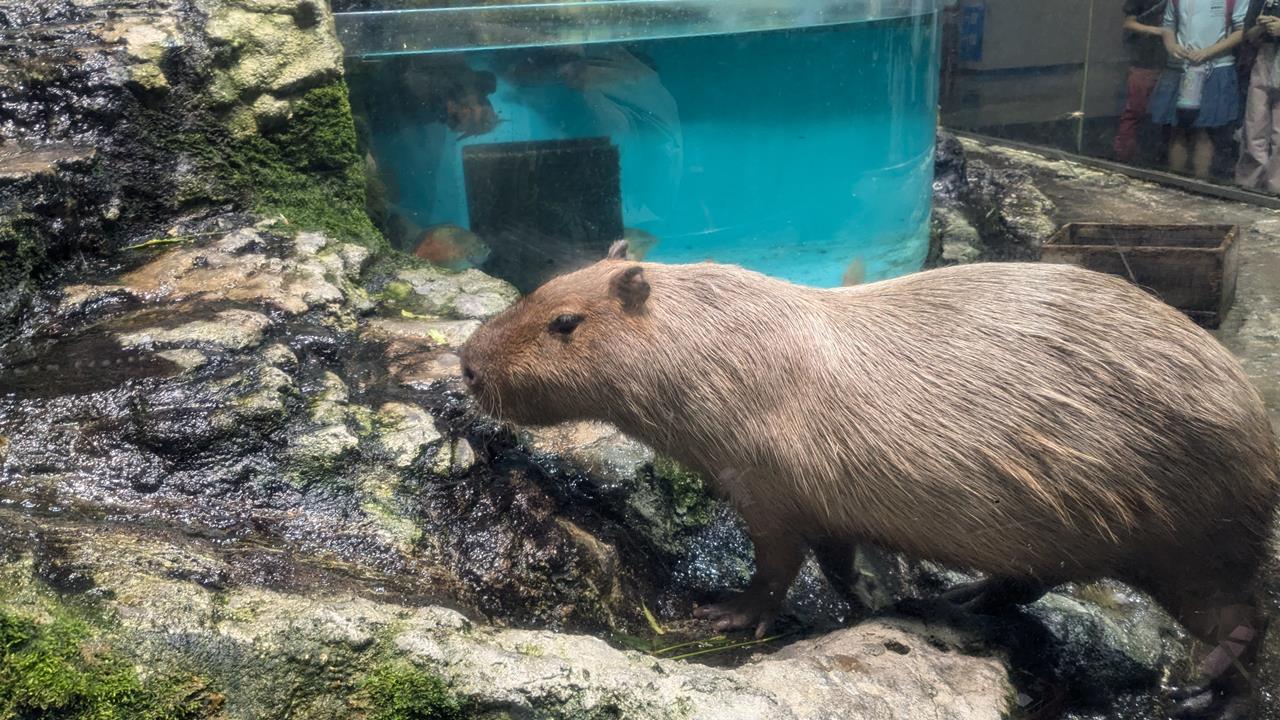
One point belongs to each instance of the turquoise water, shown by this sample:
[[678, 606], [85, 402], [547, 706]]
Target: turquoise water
[[798, 153]]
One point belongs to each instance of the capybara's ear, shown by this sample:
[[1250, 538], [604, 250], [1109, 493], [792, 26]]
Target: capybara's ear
[[617, 251], [631, 287]]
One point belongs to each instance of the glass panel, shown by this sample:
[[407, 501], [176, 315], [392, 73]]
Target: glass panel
[[1093, 77], [1017, 69]]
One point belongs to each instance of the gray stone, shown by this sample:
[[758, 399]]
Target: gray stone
[[228, 330], [404, 431], [467, 294], [324, 445], [597, 449], [354, 259], [328, 404], [280, 356], [185, 359]]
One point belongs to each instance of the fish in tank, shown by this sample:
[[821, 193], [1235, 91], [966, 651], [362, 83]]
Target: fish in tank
[[798, 144]]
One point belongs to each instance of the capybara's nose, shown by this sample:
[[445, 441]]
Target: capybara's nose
[[469, 375]]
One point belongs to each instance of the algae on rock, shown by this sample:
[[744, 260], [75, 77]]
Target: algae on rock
[[56, 661]]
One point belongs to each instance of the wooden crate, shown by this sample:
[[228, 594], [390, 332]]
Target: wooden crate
[[1191, 267]]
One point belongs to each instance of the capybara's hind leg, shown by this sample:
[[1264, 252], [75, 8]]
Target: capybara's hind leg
[[1227, 625], [995, 594], [779, 555]]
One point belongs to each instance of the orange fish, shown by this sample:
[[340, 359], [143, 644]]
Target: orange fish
[[451, 247], [639, 243], [854, 274]]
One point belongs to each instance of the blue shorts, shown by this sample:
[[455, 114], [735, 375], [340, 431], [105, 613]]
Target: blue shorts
[[1219, 100]]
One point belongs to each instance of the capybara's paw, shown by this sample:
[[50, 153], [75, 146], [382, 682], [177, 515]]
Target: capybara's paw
[[748, 610]]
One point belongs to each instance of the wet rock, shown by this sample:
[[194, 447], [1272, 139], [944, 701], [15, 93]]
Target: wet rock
[[238, 267], [949, 170], [431, 333], [260, 400], [1106, 642], [186, 359], [280, 356], [985, 212], [598, 450], [282, 654], [953, 239], [462, 456], [317, 452], [355, 258], [433, 291], [275, 53], [404, 431], [328, 399], [116, 116], [382, 499], [227, 330], [419, 352]]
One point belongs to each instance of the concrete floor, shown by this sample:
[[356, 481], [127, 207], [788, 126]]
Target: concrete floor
[[1082, 194]]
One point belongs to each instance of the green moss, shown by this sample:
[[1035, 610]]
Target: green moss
[[397, 292], [62, 667], [309, 171], [22, 248], [399, 691], [688, 491]]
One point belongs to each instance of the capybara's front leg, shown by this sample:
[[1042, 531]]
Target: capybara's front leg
[[778, 558]]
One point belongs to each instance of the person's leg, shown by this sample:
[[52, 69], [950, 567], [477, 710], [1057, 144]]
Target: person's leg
[[1126, 142], [1202, 155], [1178, 150], [1141, 83], [1255, 136], [1270, 174]]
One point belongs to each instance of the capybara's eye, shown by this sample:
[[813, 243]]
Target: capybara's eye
[[564, 325]]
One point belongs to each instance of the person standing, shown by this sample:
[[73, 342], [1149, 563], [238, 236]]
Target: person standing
[[1144, 40], [1198, 94], [1259, 165]]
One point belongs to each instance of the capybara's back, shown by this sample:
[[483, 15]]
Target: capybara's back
[[1060, 422], [1039, 423]]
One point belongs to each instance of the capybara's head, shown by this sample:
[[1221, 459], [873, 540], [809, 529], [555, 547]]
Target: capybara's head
[[551, 357]]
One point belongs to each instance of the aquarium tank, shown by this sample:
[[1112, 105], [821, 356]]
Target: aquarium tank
[[792, 138]]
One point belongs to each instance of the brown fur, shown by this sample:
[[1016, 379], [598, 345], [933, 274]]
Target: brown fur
[[1024, 420]]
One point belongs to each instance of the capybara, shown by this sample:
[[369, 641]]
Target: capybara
[[1039, 423]]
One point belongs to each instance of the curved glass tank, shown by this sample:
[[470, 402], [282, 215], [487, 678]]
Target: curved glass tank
[[793, 137]]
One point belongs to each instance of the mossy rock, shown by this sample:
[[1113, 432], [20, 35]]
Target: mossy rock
[[306, 171], [400, 691], [279, 47], [22, 248], [309, 171], [692, 503], [61, 666]]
